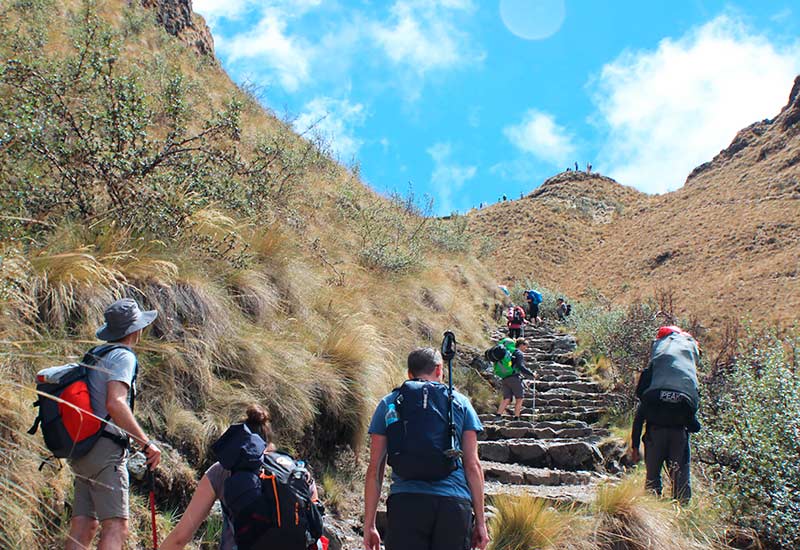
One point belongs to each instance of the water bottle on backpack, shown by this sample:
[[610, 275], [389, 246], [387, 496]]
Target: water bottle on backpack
[[391, 415]]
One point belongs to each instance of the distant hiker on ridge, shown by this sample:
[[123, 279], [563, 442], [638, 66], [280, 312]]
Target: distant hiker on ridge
[[668, 402], [101, 475], [576, 166], [516, 319], [434, 496]]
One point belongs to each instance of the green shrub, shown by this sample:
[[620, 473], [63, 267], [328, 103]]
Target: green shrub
[[391, 230], [451, 235], [623, 336], [751, 417]]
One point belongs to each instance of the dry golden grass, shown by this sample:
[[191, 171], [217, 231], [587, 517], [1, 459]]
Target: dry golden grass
[[523, 523], [627, 518]]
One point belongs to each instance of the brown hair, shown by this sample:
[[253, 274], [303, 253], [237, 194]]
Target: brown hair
[[258, 421], [521, 342]]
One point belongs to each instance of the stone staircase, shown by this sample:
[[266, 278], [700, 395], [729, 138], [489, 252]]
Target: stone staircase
[[554, 450]]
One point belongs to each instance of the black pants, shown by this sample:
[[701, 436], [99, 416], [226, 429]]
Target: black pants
[[428, 522], [515, 332], [533, 311], [668, 446]]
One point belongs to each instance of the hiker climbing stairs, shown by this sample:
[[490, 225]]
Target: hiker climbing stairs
[[555, 450]]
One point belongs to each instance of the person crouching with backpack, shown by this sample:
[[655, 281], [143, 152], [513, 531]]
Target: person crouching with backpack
[[512, 385], [436, 499], [668, 401], [212, 488], [101, 475]]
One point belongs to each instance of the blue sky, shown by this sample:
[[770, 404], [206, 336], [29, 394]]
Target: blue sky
[[467, 100]]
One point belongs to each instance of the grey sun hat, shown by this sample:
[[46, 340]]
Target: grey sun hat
[[122, 318]]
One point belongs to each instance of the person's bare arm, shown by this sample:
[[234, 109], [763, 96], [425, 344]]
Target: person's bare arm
[[195, 514], [372, 490], [122, 416], [474, 475]]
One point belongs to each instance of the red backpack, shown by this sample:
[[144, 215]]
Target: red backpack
[[69, 425]]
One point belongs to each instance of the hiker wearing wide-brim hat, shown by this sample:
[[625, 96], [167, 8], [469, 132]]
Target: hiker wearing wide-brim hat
[[101, 475], [124, 317]]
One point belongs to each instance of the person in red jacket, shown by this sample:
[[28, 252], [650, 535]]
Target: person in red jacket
[[516, 320]]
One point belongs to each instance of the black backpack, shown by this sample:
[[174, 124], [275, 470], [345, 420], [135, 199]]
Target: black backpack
[[418, 438], [69, 425], [267, 496], [516, 316], [495, 353], [568, 310]]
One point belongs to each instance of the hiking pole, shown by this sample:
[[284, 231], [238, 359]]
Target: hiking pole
[[448, 353], [151, 475]]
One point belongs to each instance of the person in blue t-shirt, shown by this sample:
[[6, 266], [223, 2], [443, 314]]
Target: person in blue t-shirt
[[428, 515]]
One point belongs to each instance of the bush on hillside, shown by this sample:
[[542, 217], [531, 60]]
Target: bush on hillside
[[623, 336], [392, 231], [92, 137], [451, 235], [749, 444]]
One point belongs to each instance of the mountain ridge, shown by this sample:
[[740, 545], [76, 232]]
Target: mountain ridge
[[726, 244]]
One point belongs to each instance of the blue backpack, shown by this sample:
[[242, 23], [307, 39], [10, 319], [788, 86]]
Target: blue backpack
[[534, 297], [418, 435], [267, 496]]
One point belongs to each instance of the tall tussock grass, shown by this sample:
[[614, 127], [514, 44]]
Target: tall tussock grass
[[354, 353], [525, 523], [627, 518]]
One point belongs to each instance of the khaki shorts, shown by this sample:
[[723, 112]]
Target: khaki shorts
[[101, 482], [512, 386]]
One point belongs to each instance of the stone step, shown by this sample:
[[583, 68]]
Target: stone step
[[555, 374], [563, 454], [508, 421], [583, 384], [585, 416], [543, 401], [495, 432], [526, 475], [557, 494]]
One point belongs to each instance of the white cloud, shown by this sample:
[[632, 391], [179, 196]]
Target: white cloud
[[300, 43], [539, 135], [213, 10], [671, 109], [269, 43], [424, 35], [334, 120], [216, 9], [447, 177]]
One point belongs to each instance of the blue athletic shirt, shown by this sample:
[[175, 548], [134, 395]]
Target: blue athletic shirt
[[454, 485]]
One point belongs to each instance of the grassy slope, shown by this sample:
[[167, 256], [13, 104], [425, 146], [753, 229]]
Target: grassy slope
[[731, 234], [302, 327]]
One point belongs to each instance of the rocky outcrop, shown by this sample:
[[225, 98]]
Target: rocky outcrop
[[179, 20], [769, 136]]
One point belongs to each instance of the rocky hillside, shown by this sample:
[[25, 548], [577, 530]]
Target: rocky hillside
[[727, 244]]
